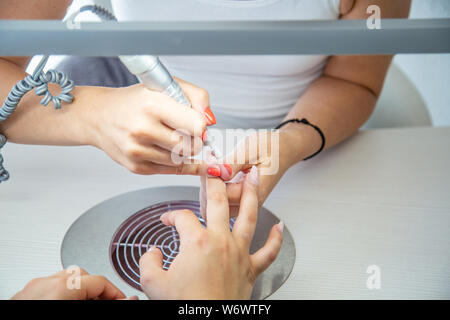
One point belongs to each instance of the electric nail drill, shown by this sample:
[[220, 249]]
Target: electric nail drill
[[155, 76]]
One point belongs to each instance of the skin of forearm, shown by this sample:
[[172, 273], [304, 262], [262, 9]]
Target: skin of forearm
[[338, 107], [31, 123], [342, 99]]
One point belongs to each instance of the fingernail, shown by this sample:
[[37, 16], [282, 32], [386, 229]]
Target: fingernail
[[151, 248], [238, 178], [280, 226], [210, 117], [230, 171], [204, 135], [132, 298], [214, 172], [253, 176]]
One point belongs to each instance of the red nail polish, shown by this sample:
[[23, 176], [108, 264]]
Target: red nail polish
[[230, 171], [214, 172], [210, 116], [204, 135]]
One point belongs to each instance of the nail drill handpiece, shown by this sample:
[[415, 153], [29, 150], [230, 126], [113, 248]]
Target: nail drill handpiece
[[155, 76]]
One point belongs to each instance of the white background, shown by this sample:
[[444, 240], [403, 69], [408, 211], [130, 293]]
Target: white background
[[430, 73]]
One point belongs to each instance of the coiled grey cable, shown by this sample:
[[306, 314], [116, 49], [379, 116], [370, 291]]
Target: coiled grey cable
[[101, 12], [39, 81]]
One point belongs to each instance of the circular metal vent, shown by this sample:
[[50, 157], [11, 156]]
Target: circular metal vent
[[110, 238]]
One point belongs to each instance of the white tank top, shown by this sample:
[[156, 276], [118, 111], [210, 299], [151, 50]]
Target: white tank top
[[245, 91]]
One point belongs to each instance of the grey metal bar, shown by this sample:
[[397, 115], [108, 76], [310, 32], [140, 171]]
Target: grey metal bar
[[30, 37]]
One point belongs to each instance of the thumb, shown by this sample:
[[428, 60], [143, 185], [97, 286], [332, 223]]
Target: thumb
[[150, 266]]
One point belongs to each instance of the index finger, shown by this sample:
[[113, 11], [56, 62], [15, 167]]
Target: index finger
[[181, 117], [217, 211], [244, 227]]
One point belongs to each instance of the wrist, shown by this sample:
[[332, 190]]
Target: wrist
[[88, 120], [298, 141]]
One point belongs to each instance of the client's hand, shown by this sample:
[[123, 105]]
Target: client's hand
[[272, 152], [213, 263], [143, 129], [63, 286]]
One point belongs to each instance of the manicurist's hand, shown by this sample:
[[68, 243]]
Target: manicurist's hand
[[213, 263], [147, 131], [67, 285]]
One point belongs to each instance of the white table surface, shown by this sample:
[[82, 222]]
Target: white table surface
[[382, 198]]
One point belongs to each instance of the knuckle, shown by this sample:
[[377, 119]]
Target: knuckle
[[252, 218], [150, 102], [218, 197], [203, 95], [271, 257], [224, 246], [198, 95], [136, 168], [146, 279], [225, 249], [133, 152], [202, 239], [138, 132]]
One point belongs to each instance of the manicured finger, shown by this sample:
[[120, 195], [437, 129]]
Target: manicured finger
[[180, 117], [202, 197], [217, 213], [185, 221], [244, 227], [199, 99], [99, 287], [211, 162], [234, 191], [213, 169], [264, 257], [151, 268]]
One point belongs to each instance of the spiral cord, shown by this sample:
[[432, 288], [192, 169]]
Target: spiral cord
[[101, 12], [39, 82]]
